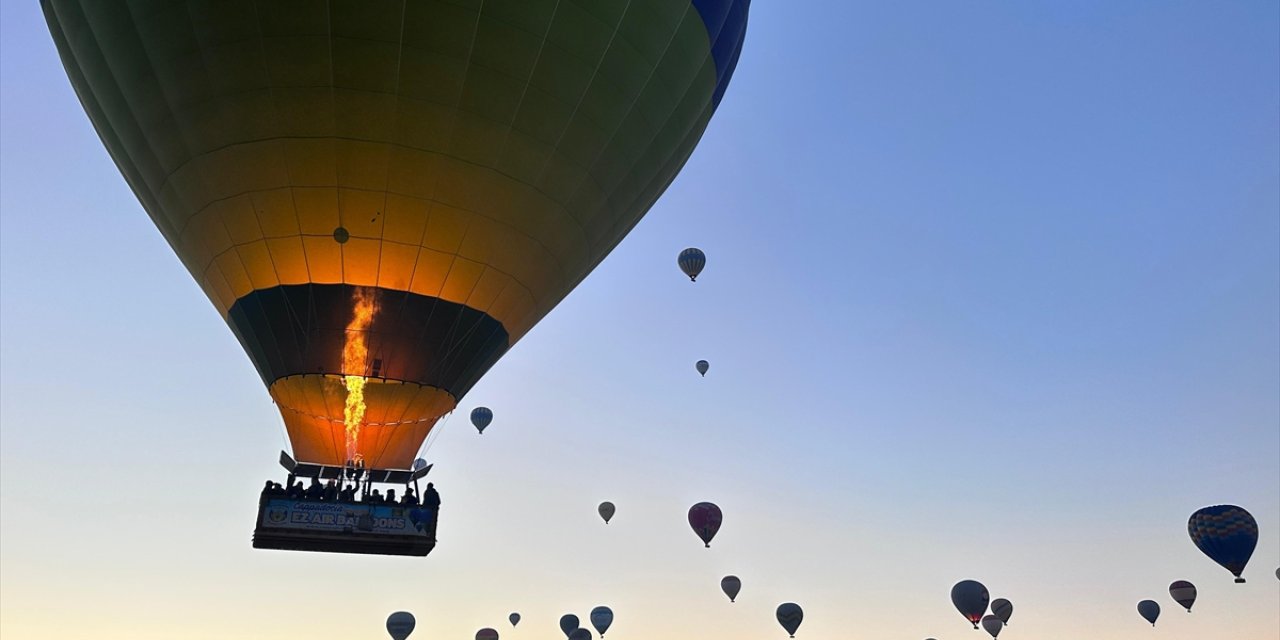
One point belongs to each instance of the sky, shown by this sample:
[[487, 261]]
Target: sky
[[992, 293]]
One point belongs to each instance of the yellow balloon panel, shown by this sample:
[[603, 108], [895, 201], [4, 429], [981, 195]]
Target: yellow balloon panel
[[398, 418]]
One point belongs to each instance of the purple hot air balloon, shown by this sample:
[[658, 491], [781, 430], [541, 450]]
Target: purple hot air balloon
[[705, 518], [487, 634]]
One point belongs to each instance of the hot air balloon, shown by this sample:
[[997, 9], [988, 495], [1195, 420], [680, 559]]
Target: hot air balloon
[[487, 634], [580, 634], [1227, 534], [601, 618], [514, 618], [1149, 610], [378, 205], [731, 585], [400, 624], [606, 510], [705, 518], [790, 615], [568, 622], [1183, 593], [970, 598], [992, 624], [702, 366], [481, 417], [1002, 609], [691, 262]]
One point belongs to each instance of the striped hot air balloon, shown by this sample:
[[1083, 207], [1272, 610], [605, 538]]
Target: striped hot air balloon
[[481, 417], [381, 197], [1184, 593], [691, 262], [1227, 534]]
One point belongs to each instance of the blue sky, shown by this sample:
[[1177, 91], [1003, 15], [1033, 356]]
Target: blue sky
[[993, 292]]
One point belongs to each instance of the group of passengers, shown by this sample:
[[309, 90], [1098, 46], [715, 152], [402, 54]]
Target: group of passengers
[[330, 492]]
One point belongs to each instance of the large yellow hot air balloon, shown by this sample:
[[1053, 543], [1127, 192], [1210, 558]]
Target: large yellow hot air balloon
[[382, 196]]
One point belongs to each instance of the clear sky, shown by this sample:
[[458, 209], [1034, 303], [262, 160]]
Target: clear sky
[[993, 292]]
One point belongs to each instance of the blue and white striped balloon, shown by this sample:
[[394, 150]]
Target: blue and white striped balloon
[[691, 262], [481, 417]]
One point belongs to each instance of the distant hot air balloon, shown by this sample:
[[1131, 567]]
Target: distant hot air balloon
[[1184, 593], [992, 624], [487, 634], [1149, 610], [790, 615], [580, 634], [568, 622], [705, 518], [1002, 609], [378, 205], [702, 366], [481, 417], [731, 585], [606, 510], [514, 618], [400, 624], [419, 464], [970, 598], [601, 618], [1227, 534], [691, 262]]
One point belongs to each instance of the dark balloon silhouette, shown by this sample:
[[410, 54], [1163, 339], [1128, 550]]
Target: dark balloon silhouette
[[601, 618], [970, 599], [705, 518], [400, 624], [606, 511], [568, 622], [1149, 610], [514, 618], [703, 367], [1002, 609], [1184, 593], [1227, 534], [790, 615], [481, 417], [731, 585]]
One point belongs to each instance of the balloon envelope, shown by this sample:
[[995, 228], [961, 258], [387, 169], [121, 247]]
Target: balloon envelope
[[400, 624], [580, 634], [1002, 609], [705, 518], [970, 599], [487, 634], [1149, 610], [703, 366], [790, 615], [481, 417], [606, 510], [691, 262], [377, 204], [1227, 534], [601, 618], [568, 622], [992, 625], [731, 585], [1184, 593], [514, 618]]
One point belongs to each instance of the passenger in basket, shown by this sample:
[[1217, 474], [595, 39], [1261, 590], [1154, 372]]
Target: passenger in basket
[[409, 498], [316, 490], [431, 498], [330, 491], [348, 494]]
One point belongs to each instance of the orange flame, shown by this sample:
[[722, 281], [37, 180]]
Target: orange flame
[[354, 354]]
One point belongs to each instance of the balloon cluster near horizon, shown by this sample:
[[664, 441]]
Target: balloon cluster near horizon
[[380, 211]]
